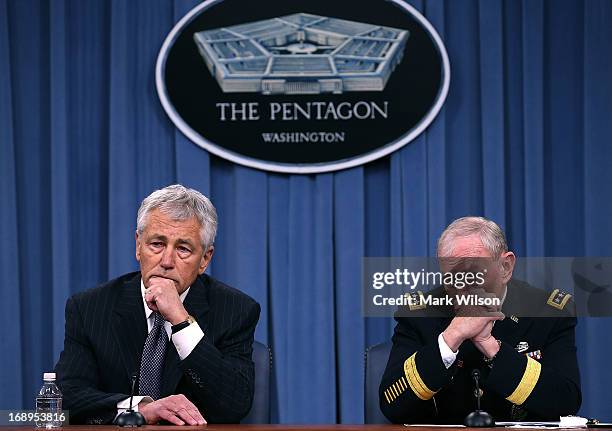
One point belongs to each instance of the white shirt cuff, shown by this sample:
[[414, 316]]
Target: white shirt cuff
[[186, 339], [123, 405], [448, 356]]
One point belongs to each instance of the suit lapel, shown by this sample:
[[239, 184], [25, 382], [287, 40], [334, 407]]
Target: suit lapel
[[130, 326], [196, 304]]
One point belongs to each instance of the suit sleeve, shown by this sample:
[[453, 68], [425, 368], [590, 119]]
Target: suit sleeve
[[78, 376], [414, 373], [546, 389], [222, 376]]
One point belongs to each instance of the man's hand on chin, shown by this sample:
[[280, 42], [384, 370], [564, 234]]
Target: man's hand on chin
[[176, 409], [162, 296]]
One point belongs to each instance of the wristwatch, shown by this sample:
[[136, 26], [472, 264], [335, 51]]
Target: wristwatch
[[489, 361], [183, 325]]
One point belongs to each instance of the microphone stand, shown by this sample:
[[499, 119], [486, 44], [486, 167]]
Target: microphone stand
[[130, 418], [478, 418]]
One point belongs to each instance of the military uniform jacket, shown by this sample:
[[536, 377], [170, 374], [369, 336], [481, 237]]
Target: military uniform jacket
[[534, 376]]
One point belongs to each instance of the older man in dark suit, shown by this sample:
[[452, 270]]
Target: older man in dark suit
[[185, 336]]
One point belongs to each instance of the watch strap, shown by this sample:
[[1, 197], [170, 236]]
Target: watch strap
[[183, 324]]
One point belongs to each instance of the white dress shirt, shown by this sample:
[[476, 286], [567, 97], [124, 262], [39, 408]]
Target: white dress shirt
[[448, 356], [184, 341]]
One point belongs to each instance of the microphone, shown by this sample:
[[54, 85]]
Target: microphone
[[478, 418], [130, 418]]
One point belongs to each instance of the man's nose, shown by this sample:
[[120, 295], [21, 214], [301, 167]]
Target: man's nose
[[167, 260]]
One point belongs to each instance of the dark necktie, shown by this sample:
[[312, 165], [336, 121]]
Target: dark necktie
[[152, 362]]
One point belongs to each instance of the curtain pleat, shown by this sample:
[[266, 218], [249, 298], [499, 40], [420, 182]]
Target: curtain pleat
[[31, 260], [396, 213], [380, 237], [592, 350], [123, 166], [278, 295], [155, 153], [437, 153], [310, 359], [463, 137], [512, 130], [12, 369], [241, 257], [60, 171], [411, 205], [524, 138], [492, 78], [349, 249], [563, 140], [532, 92]]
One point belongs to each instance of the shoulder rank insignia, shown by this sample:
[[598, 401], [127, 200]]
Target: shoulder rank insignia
[[416, 300], [558, 299]]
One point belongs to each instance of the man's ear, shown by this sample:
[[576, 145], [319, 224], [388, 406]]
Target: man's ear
[[206, 258], [137, 238], [508, 261]]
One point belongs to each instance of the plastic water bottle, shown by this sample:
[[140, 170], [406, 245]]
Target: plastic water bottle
[[49, 404]]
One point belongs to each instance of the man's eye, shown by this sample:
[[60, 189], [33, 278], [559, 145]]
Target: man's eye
[[156, 244], [184, 250]]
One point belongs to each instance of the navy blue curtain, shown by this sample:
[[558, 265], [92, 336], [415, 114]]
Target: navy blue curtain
[[524, 138]]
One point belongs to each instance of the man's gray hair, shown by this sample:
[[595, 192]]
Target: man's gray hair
[[490, 234], [181, 203]]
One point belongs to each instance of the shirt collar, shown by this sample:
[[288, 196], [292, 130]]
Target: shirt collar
[[147, 310], [505, 293]]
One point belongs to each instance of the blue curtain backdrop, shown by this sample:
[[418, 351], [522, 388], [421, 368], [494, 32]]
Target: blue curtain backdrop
[[524, 138]]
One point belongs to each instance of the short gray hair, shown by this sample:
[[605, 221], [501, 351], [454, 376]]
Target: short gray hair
[[181, 203], [490, 234]]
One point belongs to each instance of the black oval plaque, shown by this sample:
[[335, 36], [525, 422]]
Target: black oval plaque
[[303, 86]]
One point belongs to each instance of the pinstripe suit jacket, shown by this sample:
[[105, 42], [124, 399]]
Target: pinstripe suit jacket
[[105, 334]]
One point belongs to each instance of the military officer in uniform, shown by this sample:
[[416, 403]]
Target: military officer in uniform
[[528, 364]]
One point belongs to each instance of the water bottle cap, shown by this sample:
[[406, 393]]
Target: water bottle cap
[[49, 376]]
